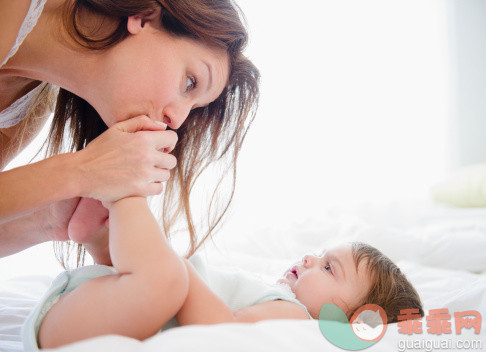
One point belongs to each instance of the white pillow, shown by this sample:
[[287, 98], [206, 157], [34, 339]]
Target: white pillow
[[464, 188]]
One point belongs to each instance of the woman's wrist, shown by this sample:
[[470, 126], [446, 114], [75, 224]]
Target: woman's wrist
[[21, 233], [72, 180], [124, 202], [27, 188], [77, 182]]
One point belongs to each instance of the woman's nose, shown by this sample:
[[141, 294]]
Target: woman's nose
[[175, 115]]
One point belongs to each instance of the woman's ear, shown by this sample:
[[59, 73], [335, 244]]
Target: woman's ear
[[136, 23]]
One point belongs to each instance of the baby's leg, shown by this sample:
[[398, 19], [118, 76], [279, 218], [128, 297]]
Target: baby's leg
[[150, 289], [133, 305], [87, 227]]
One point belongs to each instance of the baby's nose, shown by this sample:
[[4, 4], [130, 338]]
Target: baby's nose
[[307, 260]]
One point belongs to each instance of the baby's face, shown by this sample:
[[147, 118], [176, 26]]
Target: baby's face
[[330, 277]]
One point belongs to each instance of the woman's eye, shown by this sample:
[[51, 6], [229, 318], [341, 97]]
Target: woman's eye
[[190, 83]]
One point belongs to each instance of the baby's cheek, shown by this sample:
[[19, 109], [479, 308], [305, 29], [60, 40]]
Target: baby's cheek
[[310, 294]]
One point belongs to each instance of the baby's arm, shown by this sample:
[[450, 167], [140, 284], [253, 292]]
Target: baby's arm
[[149, 290], [203, 306]]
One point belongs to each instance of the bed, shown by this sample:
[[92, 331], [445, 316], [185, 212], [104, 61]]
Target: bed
[[441, 249]]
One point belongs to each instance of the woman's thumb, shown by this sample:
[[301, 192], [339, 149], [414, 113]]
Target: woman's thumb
[[140, 123]]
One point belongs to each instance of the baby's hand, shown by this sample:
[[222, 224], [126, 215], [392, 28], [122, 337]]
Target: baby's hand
[[88, 217]]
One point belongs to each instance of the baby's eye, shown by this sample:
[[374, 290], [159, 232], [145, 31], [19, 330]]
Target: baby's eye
[[191, 83], [328, 267]]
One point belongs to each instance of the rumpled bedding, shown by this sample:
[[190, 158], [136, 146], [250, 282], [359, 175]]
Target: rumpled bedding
[[442, 251]]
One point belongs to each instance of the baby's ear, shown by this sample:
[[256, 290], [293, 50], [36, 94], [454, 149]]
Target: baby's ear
[[136, 23]]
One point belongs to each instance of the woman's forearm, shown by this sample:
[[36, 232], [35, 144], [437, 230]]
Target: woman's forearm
[[21, 233], [27, 188], [47, 223], [118, 163]]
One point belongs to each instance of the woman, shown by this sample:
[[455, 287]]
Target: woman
[[124, 65]]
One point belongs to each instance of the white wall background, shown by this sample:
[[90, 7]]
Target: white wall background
[[467, 23], [354, 107], [355, 103]]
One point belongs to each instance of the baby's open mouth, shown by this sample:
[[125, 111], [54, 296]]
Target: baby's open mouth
[[294, 271]]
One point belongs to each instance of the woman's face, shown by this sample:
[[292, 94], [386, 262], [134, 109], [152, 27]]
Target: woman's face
[[156, 74]]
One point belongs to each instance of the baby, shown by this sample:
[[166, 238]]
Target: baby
[[149, 286]]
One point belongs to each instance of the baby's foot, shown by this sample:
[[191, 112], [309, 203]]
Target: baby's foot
[[86, 221]]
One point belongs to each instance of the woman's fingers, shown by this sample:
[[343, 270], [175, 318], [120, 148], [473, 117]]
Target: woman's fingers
[[140, 123], [165, 161], [161, 140], [154, 188], [160, 175], [168, 143], [127, 160]]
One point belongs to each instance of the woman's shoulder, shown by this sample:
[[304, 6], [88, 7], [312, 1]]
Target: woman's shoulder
[[12, 14]]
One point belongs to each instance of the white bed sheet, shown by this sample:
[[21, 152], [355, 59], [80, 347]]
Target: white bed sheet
[[442, 251]]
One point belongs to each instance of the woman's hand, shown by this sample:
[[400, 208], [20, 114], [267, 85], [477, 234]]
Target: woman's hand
[[129, 159], [47, 223]]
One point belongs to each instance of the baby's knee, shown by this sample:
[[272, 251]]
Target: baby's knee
[[173, 280]]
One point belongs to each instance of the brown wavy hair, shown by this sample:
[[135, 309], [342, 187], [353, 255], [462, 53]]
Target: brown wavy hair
[[217, 23], [390, 289]]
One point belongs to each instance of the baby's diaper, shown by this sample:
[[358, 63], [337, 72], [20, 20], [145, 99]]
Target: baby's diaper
[[68, 281], [62, 284]]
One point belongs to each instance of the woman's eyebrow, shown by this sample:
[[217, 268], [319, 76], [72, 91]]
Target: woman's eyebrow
[[210, 72]]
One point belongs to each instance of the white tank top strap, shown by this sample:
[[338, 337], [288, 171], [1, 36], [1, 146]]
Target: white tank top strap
[[30, 20], [17, 111]]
